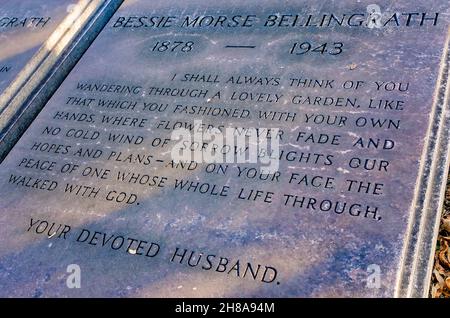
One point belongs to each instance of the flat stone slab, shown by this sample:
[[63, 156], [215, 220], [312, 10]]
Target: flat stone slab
[[352, 98], [24, 27]]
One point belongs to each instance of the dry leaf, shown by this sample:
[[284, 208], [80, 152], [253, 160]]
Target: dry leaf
[[435, 291], [447, 282], [352, 66], [439, 278], [446, 223], [446, 293], [443, 257], [439, 268]]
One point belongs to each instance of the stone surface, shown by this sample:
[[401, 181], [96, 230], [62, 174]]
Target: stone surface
[[24, 27], [42, 75], [70, 170]]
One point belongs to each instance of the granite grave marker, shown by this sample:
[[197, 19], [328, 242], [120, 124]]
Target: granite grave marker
[[39, 52], [341, 107], [24, 27]]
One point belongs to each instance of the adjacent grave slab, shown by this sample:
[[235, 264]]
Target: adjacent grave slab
[[24, 27], [356, 97], [52, 58]]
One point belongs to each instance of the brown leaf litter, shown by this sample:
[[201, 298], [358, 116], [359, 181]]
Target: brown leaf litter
[[440, 281]]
